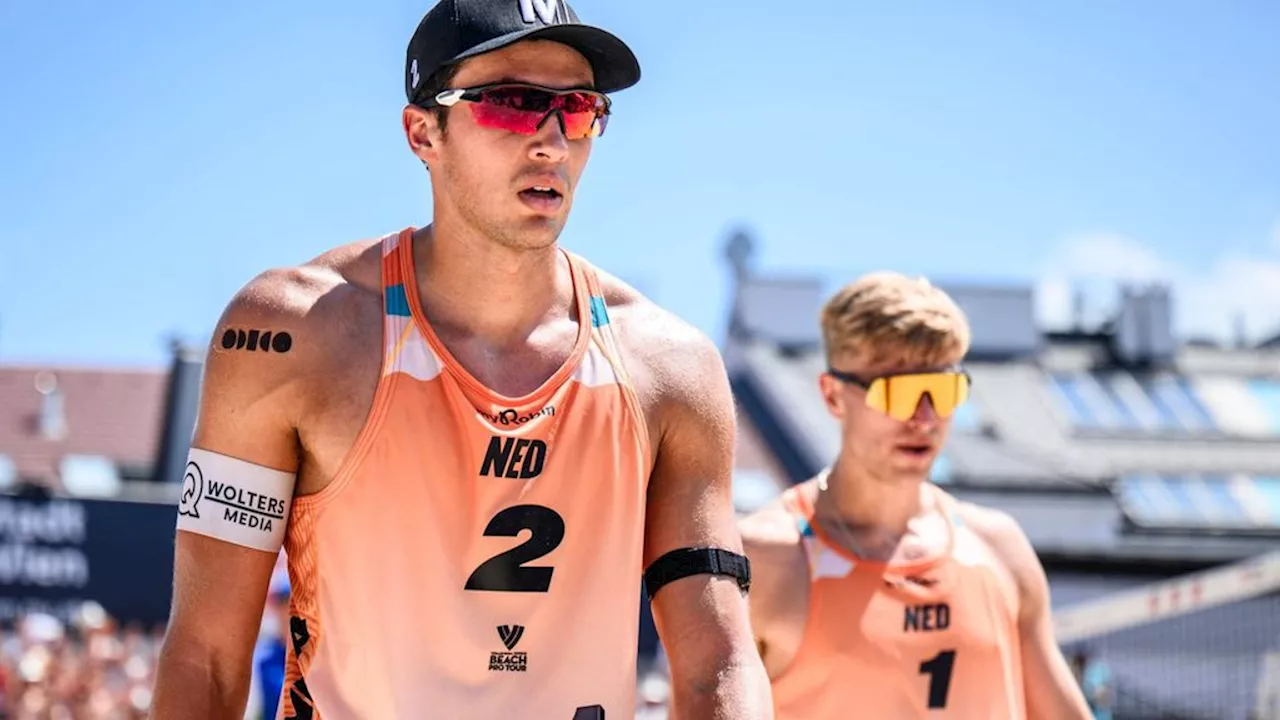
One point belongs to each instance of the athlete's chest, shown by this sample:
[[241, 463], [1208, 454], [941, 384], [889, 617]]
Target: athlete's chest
[[964, 600], [515, 370], [944, 606], [442, 426], [506, 497]]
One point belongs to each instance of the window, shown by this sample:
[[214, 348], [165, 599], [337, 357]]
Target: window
[[1126, 391], [1176, 394], [1119, 401], [1180, 408], [1124, 414], [1213, 499], [1178, 501], [1143, 501], [1073, 400]]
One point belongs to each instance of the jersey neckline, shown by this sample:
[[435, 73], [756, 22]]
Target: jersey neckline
[[803, 506], [582, 304]]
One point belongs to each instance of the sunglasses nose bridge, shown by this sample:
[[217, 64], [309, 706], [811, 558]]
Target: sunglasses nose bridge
[[556, 111], [926, 400], [924, 411]]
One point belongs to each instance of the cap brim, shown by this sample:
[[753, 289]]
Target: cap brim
[[615, 66]]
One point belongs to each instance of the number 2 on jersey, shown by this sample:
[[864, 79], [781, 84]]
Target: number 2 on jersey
[[506, 571], [939, 668]]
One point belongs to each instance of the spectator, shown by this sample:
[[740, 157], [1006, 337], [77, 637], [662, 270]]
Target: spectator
[[85, 668]]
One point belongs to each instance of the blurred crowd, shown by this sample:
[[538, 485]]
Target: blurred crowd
[[91, 668], [87, 667]]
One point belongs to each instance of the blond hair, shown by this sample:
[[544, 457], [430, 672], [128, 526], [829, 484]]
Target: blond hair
[[886, 315]]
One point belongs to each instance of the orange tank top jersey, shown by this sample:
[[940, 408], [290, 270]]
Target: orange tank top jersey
[[931, 639], [476, 556]]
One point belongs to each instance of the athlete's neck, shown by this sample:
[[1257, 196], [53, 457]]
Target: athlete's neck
[[868, 505], [495, 293]]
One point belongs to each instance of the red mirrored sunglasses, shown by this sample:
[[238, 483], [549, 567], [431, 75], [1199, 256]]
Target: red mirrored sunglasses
[[521, 108]]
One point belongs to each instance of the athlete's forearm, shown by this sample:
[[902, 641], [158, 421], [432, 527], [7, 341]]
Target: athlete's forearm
[[188, 687], [735, 690]]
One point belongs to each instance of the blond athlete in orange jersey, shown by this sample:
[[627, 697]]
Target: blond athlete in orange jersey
[[470, 442], [876, 593]]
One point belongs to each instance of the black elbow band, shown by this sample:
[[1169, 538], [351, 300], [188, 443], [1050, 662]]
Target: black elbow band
[[697, 561]]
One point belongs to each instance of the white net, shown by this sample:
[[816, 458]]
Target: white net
[[1204, 646]]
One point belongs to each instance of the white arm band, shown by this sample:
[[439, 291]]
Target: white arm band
[[234, 500]]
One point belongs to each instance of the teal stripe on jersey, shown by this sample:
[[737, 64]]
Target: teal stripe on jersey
[[397, 301], [599, 312]]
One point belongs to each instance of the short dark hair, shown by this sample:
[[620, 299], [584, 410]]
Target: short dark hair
[[439, 80]]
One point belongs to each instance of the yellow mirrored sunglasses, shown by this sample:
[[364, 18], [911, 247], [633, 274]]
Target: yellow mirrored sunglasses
[[899, 395]]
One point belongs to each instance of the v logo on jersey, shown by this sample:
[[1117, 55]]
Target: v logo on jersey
[[510, 635], [545, 10]]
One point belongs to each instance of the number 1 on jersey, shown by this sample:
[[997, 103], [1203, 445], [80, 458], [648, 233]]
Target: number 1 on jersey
[[939, 668]]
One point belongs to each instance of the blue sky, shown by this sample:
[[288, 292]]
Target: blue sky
[[154, 156]]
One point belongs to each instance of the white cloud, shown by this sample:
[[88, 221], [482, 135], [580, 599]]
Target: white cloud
[[1206, 300]]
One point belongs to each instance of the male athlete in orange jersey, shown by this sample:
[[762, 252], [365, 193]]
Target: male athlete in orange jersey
[[877, 594], [471, 443]]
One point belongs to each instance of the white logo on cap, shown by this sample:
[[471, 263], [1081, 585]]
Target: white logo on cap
[[546, 10], [414, 69]]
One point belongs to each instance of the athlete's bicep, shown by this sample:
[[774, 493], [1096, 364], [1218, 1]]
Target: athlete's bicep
[[233, 508], [693, 551]]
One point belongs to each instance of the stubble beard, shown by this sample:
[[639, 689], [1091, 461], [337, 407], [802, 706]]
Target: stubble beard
[[513, 233]]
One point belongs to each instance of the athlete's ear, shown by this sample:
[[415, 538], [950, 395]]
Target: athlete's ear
[[422, 131], [832, 394]]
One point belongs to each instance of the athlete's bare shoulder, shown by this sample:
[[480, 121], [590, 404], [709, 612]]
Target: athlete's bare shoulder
[[284, 339], [1010, 545], [670, 361], [771, 530], [300, 306], [996, 527]]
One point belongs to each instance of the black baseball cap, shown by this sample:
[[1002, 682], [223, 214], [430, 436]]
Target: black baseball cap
[[455, 30]]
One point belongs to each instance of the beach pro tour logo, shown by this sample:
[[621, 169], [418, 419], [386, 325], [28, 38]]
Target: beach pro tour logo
[[509, 661]]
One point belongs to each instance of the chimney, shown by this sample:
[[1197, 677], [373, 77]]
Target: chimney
[[181, 404], [53, 412]]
